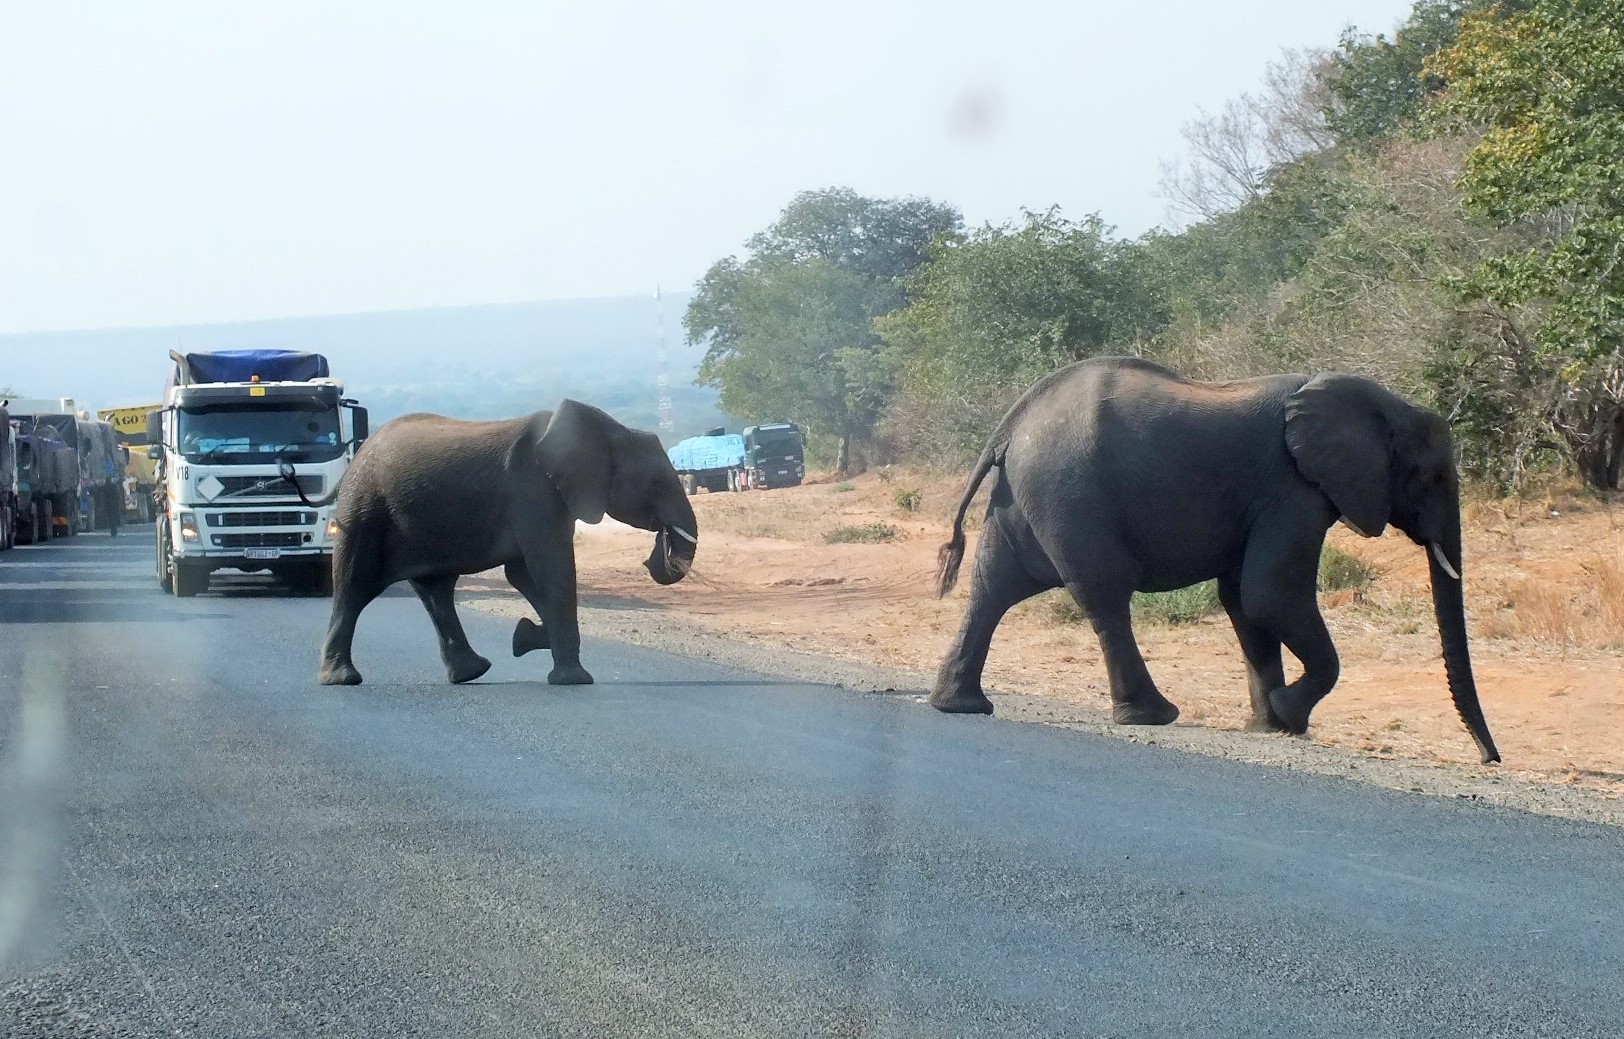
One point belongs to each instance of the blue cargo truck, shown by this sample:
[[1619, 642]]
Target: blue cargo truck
[[767, 455], [712, 460]]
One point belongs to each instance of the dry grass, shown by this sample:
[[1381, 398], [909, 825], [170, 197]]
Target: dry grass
[[1587, 613]]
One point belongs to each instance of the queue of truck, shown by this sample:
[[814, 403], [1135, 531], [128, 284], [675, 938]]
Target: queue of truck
[[237, 467], [61, 471]]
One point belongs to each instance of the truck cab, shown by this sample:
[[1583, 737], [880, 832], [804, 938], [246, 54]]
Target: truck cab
[[251, 446], [774, 455]]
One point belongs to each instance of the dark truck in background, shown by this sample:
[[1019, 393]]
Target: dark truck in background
[[774, 455]]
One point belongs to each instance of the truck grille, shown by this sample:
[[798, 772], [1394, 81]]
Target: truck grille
[[275, 486], [278, 540], [260, 519]]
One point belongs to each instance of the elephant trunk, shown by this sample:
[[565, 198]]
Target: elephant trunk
[[1449, 605], [675, 544]]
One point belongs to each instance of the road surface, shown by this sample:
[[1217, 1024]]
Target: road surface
[[200, 841]]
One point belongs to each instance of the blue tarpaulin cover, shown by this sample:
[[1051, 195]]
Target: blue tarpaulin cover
[[698, 453], [242, 365]]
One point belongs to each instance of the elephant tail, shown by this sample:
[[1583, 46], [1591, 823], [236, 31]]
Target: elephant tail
[[951, 555]]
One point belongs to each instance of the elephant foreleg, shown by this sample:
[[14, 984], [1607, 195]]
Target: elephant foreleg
[[1265, 672], [1278, 595], [999, 582], [355, 585], [549, 560], [462, 664], [527, 634]]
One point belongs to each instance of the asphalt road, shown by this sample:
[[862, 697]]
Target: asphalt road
[[200, 841]]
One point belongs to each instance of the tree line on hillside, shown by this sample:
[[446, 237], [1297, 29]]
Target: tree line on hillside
[[1442, 209]]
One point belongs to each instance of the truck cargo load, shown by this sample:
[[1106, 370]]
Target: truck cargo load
[[696, 453], [247, 366]]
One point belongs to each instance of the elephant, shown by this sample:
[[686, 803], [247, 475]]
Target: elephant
[[430, 498], [1117, 475]]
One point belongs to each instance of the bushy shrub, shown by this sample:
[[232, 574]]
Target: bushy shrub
[[1340, 570], [866, 533]]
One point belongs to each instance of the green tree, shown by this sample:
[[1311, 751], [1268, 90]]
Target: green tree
[[1546, 87], [877, 238], [995, 310], [801, 346], [1376, 85], [789, 329]]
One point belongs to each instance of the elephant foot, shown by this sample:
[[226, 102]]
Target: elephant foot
[[1266, 723], [1159, 711], [960, 701], [466, 669], [569, 674], [528, 635], [1292, 708], [339, 674]]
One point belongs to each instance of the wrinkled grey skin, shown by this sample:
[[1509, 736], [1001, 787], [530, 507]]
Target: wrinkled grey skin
[[1116, 475], [431, 498]]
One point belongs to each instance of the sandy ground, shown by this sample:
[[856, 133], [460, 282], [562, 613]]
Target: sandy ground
[[1545, 594]]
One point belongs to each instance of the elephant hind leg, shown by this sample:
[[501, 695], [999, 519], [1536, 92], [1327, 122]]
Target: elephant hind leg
[[462, 664], [1265, 671], [1135, 700], [999, 582]]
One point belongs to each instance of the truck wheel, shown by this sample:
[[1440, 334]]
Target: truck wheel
[[164, 580], [188, 579], [690, 486]]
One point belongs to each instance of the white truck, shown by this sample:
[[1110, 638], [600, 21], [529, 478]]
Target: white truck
[[250, 446]]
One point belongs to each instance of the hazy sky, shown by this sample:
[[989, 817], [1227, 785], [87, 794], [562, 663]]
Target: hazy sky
[[173, 163]]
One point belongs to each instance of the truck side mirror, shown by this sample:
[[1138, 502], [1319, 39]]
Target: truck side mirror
[[154, 452], [358, 418], [155, 430]]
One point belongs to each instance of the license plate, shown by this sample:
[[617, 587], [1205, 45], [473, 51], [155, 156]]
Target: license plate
[[262, 553]]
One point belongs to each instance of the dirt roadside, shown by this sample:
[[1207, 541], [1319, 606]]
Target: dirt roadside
[[770, 594]]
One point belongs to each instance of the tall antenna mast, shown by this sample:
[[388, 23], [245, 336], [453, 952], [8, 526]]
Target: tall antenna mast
[[663, 379]]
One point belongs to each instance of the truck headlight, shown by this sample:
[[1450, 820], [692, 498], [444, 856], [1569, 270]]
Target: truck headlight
[[188, 526], [332, 529]]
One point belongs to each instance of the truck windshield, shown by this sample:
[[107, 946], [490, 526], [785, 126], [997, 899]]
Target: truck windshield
[[783, 442], [258, 432]]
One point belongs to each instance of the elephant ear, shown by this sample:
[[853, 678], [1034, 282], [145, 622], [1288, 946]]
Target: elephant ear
[[1339, 436], [574, 453]]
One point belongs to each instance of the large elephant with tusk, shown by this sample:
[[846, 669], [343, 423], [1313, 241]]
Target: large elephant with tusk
[[432, 498], [1117, 475]]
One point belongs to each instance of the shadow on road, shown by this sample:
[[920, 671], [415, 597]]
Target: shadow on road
[[92, 611]]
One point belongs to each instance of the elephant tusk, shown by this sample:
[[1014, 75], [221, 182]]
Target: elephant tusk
[[679, 532], [1438, 554]]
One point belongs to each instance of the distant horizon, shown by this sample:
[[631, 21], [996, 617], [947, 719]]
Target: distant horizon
[[334, 314]]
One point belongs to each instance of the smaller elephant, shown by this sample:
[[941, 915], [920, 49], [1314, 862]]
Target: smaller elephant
[[432, 498], [1116, 475]]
